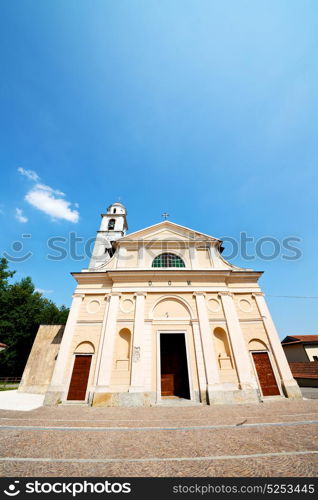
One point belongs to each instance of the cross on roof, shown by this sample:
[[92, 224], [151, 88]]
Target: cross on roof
[[165, 215]]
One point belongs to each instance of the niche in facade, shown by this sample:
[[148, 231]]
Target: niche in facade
[[123, 349], [222, 349]]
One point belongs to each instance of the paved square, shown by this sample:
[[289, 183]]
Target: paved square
[[276, 438]]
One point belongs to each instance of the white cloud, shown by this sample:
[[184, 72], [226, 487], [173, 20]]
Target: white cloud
[[19, 215], [40, 290], [50, 190], [46, 199], [30, 174]]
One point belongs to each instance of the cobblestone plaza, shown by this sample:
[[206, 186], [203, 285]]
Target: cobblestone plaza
[[269, 439]]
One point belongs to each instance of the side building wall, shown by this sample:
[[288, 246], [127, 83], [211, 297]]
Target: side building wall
[[40, 365], [295, 353]]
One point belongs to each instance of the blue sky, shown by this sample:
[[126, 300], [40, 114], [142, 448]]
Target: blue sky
[[216, 101]]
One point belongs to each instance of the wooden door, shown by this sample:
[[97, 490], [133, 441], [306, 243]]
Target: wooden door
[[265, 374], [174, 369], [167, 384], [79, 380]]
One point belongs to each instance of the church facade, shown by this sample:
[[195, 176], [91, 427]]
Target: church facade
[[159, 315]]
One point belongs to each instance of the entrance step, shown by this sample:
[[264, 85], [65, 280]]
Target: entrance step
[[177, 402], [74, 403]]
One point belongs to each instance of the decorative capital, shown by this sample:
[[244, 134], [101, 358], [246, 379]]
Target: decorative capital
[[78, 295], [140, 294], [198, 294], [257, 294], [225, 294]]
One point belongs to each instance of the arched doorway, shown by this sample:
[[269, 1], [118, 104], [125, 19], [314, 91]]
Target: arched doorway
[[263, 367], [173, 362], [80, 374]]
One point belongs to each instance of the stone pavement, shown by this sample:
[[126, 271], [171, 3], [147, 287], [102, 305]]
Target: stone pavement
[[309, 392], [276, 438]]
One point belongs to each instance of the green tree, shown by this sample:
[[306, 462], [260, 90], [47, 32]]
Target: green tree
[[22, 310], [4, 274]]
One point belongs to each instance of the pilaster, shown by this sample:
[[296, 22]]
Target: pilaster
[[101, 340], [193, 256], [137, 372], [107, 352], [242, 359], [141, 256], [199, 361], [214, 388]]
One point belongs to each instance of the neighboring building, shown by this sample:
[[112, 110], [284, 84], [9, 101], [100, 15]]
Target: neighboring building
[[301, 348], [302, 354], [3, 346], [160, 314]]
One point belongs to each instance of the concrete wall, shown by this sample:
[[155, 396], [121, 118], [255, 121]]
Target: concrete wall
[[39, 368]]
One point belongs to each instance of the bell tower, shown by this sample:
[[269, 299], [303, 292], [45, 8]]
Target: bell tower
[[113, 227]]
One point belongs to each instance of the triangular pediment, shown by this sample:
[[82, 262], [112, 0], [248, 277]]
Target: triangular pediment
[[166, 231]]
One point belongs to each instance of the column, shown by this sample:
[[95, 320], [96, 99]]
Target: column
[[59, 374], [289, 383], [137, 373], [241, 355], [107, 353], [209, 354]]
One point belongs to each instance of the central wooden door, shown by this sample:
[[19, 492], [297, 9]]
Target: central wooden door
[[174, 367], [265, 374], [79, 380]]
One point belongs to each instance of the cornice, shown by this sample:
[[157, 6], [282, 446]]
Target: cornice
[[164, 272], [89, 322], [179, 272], [156, 243], [251, 320]]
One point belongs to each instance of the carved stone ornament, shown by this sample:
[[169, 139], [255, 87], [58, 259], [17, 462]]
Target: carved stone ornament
[[136, 354]]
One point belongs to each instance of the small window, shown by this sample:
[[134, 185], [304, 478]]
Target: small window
[[114, 210], [168, 260], [111, 224]]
